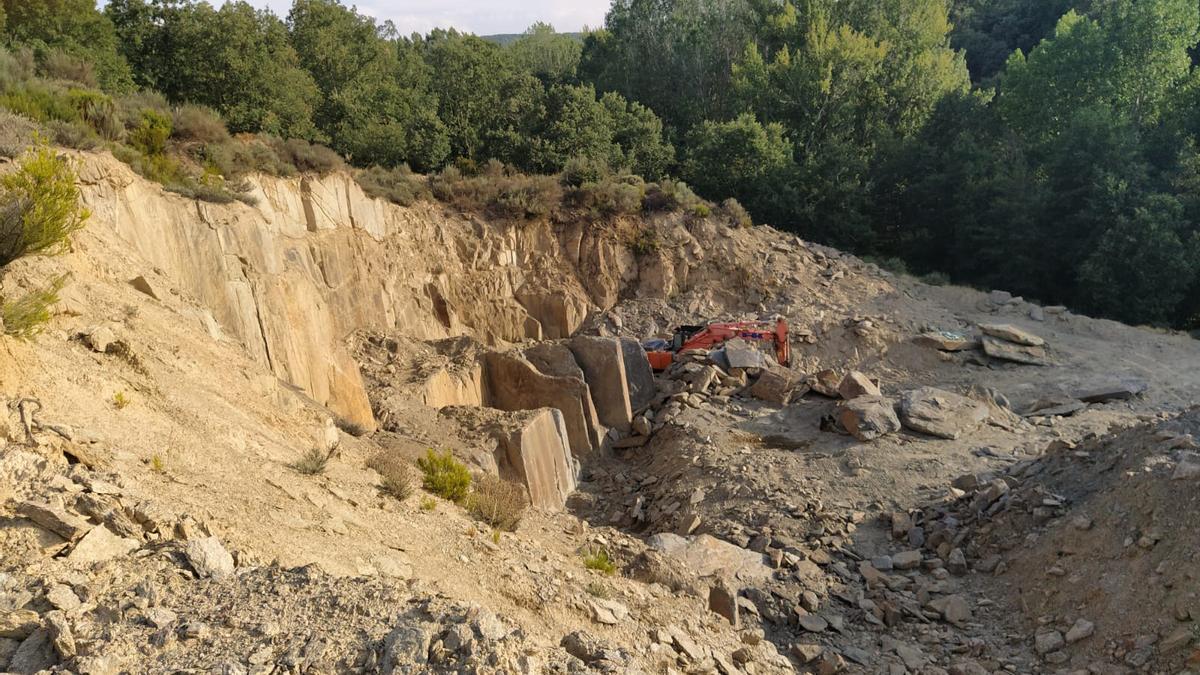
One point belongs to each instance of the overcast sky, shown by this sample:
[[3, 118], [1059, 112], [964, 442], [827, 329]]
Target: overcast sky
[[483, 17]]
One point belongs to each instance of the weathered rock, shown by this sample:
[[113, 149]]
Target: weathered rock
[[61, 635], [1011, 333], [98, 338], [18, 624], [55, 518], [1048, 641], [946, 341], [856, 384], [807, 653], [1115, 391], [63, 598], [869, 417], [1081, 630], [906, 560], [706, 555], [208, 558], [742, 354], [1188, 467], [638, 374], [825, 383], [405, 647], [35, 654], [774, 385], [1009, 351], [954, 609], [608, 612], [99, 545], [941, 413], [956, 563], [604, 370], [813, 623], [723, 600]]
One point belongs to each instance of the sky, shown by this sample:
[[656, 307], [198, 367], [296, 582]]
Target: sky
[[482, 17]]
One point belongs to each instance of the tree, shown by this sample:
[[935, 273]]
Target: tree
[[552, 57], [74, 27], [743, 159], [638, 132]]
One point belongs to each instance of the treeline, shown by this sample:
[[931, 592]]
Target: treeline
[[1047, 147]]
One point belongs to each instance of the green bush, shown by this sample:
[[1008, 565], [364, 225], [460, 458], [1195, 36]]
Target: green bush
[[201, 124], [40, 101], [644, 242], [499, 503], [24, 317], [97, 110], [670, 195], [582, 170], [599, 560], [524, 196], [59, 65], [608, 197], [445, 476], [238, 157], [398, 185], [307, 157], [41, 203], [131, 106], [312, 462], [150, 135], [17, 133]]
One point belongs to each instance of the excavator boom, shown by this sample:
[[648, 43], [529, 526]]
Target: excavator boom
[[716, 334]]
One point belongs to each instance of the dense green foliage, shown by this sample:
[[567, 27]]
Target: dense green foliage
[[1048, 147]]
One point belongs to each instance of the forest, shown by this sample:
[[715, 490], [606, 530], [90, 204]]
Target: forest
[[1044, 147]]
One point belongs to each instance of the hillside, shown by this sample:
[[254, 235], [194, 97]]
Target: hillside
[[155, 520]]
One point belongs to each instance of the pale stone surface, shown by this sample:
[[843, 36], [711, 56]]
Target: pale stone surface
[[604, 370]]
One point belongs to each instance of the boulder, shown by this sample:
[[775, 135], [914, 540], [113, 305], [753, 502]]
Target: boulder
[[638, 374], [706, 555], [941, 413], [513, 383], [1011, 333], [856, 384], [869, 417], [604, 371], [209, 558], [774, 385], [825, 383], [55, 518], [1018, 353], [742, 354], [723, 600], [1113, 391], [536, 452]]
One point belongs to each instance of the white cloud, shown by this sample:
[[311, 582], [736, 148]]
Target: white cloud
[[474, 16]]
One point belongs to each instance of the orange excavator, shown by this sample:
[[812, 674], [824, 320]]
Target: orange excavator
[[661, 353]]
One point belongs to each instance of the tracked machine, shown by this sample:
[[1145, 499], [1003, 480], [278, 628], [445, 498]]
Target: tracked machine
[[661, 353]]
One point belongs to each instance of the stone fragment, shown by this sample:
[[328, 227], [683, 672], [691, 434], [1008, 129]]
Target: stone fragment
[[1009, 351], [1114, 391], [941, 413], [956, 563], [1011, 333], [869, 417], [100, 545], [98, 338], [906, 560], [774, 385], [604, 371], [62, 597], [806, 653], [1188, 467], [18, 624], [856, 384], [813, 623], [946, 341], [1081, 630], [1048, 641], [146, 286], [608, 612], [55, 518], [209, 558], [638, 375], [35, 654], [825, 383]]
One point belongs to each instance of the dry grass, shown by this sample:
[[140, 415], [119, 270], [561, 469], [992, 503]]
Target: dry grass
[[24, 317], [497, 502], [312, 462], [396, 477]]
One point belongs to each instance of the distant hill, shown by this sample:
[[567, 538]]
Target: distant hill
[[506, 39]]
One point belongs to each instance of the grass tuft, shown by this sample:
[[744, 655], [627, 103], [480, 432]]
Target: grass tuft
[[597, 559], [396, 476], [497, 502], [312, 462], [24, 317]]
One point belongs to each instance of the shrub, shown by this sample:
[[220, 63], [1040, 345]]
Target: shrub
[[73, 135], [17, 133], [524, 196], [609, 197], [445, 476], [158, 464], [350, 426], [735, 213], [670, 195], [237, 157], [59, 65], [597, 559], [307, 157], [24, 317], [581, 170], [121, 401], [15, 67], [936, 279], [396, 476], [98, 111], [131, 106], [428, 503], [40, 101], [398, 185], [150, 135], [40, 203], [201, 124], [644, 242], [312, 462], [499, 503]]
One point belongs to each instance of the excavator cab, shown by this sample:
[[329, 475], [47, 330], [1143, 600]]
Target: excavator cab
[[661, 354]]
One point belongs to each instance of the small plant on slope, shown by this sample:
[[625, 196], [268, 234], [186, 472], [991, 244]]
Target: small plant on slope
[[39, 206], [497, 502], [597, 559], [312, 462], [23, 318], [445, 476]]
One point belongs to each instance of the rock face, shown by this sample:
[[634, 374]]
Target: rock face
[[316, 260], [537, 453], [941, 413], [515, 384], [99, 545], [869, 417], [604, 369]]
